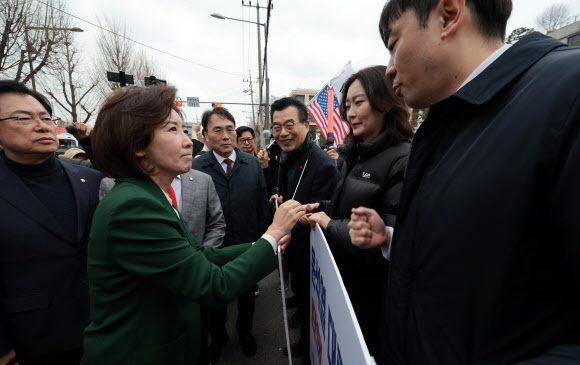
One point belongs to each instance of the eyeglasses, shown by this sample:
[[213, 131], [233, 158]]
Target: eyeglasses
[[245, 140], [288, 126], [29, 121], [219, 131]]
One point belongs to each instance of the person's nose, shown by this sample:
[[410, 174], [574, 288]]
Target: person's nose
[[391, 70], [350, 113], [40, 126], [187, 143], [283, 132]]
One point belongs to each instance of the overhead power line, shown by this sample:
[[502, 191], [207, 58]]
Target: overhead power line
[[140, 43]]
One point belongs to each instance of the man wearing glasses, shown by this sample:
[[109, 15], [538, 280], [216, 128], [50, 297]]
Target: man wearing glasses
[[46, 208], [306, 174], [246, 139], [241, 187]]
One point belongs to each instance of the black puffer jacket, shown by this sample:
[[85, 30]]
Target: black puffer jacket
[[372, 176]]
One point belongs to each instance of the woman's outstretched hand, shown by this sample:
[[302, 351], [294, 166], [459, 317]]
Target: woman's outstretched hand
[[285, 218]]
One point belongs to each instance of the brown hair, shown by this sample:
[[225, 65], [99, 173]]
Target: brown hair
[[126, 123], [379, 90]]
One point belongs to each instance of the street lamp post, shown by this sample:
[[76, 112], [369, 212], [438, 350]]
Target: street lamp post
[[29, 47], [260, 78]]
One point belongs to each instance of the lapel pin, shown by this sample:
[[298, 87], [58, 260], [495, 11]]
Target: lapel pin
[[82, 180], [191, 179]]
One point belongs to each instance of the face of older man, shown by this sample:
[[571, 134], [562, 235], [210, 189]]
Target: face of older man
[[28, 144]]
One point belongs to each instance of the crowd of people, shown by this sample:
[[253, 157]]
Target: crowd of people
[[456, 244]]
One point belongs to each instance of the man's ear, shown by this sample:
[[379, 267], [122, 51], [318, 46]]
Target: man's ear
[[307, 123], [452, 13]]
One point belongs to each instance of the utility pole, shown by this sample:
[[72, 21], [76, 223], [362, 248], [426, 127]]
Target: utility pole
[[260, 74], [252, 96]]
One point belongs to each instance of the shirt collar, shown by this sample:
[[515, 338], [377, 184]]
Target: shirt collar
[[485, 64], [221, 159]]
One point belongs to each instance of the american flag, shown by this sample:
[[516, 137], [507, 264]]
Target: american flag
[[318, 109]]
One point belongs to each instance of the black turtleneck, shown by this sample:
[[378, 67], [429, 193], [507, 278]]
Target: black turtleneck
[[51, 186]]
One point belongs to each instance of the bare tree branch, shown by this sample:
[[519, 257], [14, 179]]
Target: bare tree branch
[[553, 17]]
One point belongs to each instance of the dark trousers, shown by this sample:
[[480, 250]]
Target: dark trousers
[[301, 287], [559, 355], [71, 357], [219, 316]]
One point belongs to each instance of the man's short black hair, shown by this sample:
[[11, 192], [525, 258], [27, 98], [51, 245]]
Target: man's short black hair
[[243, 129], [284, 103], [491, 16], [15, 87], [217, 111]]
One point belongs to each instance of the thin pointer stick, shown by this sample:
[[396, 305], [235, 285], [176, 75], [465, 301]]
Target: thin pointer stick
[[297, 185]]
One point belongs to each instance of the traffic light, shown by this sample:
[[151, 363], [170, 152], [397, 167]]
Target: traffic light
[[178, 103], [216, 105]]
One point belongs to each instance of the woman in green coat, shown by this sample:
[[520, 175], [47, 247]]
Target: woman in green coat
[[147, 274]]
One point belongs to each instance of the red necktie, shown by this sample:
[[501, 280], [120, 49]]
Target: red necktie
[[229, 163], [171, 193]]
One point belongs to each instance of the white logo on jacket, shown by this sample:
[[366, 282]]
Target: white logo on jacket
[[366, 175]]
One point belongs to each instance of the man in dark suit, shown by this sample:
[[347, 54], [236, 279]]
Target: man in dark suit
[[46, 209], [306, 174], [241, 187], [485, 258]]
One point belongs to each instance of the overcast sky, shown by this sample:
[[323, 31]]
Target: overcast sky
[[309, 41]]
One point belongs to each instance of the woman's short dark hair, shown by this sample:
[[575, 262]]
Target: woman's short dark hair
[[379, 90], [125, 125]]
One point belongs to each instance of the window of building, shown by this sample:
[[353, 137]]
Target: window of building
[[574, 41], [300, 97]]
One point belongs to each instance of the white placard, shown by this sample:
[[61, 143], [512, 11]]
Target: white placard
[[335, 336]]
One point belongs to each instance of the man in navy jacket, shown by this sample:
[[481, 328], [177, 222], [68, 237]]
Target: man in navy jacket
[[485, 261], [307, 174], [241, 187], [46, 208]]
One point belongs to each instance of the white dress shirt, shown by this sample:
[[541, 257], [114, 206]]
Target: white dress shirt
[[176, 185], [221, 159]]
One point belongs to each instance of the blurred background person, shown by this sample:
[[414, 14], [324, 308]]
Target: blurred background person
[[246, 139], [148, 274], [77, 153], [372, 175]]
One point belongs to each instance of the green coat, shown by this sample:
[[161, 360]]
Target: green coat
[[148, 276]]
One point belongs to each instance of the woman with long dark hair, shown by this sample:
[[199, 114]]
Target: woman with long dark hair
[[372, 176], [147, 274]]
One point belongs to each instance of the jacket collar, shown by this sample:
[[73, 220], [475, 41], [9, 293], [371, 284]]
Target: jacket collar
[[147, 184], [20, 197], [212, 162], [510, 65]]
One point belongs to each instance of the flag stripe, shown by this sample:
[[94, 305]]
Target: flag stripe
[[318, 109]]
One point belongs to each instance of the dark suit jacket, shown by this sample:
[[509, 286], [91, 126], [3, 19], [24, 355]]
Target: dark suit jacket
[[244, 197], [44, 294], [149, 274]]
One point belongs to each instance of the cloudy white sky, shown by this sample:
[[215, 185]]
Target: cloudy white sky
[[309, 42]]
